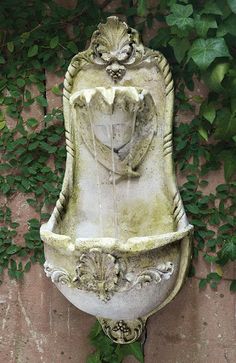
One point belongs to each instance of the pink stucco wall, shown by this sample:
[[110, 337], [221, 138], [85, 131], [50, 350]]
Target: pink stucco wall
[[38, 325]]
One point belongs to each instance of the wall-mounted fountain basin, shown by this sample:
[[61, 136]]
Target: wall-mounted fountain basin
[[118, 242]]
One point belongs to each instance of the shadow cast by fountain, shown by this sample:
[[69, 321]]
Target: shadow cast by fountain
[[118, 242]]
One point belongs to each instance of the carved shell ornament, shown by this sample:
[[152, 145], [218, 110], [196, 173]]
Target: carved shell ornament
[[98, 272], [116, 45]]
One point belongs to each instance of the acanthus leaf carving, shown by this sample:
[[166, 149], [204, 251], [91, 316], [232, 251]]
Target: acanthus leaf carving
[[105, 274], [58, 275], [152, 274]]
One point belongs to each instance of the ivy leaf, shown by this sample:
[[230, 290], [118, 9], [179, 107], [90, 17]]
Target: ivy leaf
[[142, 8], [202, 283], [2, 120], [229, 163], [32, 122], [33, 145], [225, 124], [10, 46], [42, 101], [181, 16], [203, 24], [56, 90], [94, 358], [161, 39], [180, 47], [5, 188], [228, 251], [232, 104], [214, 77], [27, 266], [72, 47], [26, 183], [2, 60], [232, 5], [96, 330], [228, 26], [208, 111], [233, 286], [54, 42], [193, 209], [214, 276], [20, 82], [211, 7], [203, 133], [24, 36], [33, 51], [204, 51], [134, 349], [11, 250]]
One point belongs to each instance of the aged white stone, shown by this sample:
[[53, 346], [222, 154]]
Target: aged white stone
[[118, 242]]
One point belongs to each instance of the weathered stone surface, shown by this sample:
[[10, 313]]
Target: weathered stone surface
[[118, 242]]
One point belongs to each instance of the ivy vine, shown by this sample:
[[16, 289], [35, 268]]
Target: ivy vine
[[198, 38]]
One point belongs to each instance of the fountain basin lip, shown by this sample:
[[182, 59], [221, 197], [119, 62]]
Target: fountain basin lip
[[134, 245], [109, 93]]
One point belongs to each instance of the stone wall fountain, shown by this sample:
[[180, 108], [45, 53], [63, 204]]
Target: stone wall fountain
[[118, 242]]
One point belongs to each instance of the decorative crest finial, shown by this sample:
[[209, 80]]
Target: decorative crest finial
[[115, 45]]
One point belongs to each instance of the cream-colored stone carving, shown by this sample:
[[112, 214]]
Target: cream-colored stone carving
[[58, 275], [153, 274], [98, 272], [104, 274], [123, 331], [118, 243], [129, 139], [116, 46]]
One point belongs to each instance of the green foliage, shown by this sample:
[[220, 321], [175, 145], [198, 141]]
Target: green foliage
[[33, 40], [107, 351], [205, 51], [199, 41], [198, 38], [181, 17]]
